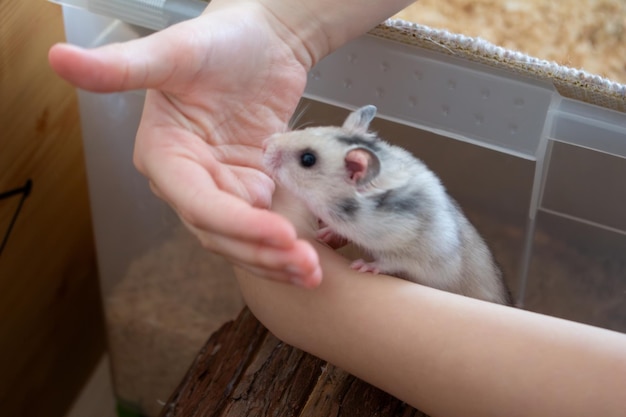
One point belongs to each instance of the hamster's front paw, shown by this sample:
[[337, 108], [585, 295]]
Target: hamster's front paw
[[362, 266], [326, 235]]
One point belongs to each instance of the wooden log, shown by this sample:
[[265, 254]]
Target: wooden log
[[243, 370]]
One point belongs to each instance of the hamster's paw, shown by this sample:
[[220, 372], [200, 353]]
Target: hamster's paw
[[326, 235], [362, 266]]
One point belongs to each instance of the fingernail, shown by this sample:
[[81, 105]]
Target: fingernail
[[296, 275], [274, 243], [293, 270], [297, 281], [315, 278]]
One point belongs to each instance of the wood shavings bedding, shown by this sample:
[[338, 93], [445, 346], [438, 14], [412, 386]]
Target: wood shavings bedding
[[586, 34]]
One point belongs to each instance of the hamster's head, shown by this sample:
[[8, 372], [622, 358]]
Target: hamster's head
[[321, 164]]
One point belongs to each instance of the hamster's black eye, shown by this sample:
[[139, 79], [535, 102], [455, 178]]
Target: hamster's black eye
[[307, 159]]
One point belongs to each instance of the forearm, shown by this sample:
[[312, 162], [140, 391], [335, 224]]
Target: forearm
[[445, 354], [321, 26]]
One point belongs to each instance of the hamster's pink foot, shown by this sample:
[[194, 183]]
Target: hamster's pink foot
[[362, 266]]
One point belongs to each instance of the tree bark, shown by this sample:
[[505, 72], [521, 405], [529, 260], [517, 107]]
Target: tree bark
[[243, 370]]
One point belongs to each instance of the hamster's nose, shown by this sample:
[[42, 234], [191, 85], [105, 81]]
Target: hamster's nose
[[266, 143], [272, 159]]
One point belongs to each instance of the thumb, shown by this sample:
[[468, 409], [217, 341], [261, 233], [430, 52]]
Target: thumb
[[137, 64]]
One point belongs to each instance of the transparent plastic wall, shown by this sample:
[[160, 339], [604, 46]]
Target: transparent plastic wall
[[507, 147], [472, 103]]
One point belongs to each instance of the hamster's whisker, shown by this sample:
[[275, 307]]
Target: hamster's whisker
[[303, 125], [297, 116]]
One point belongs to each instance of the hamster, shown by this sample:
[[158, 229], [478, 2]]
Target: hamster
[[383, 199]]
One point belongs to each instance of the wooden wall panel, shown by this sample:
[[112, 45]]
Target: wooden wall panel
[[51, 331]]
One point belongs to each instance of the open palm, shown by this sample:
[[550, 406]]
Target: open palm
[[217, 87]]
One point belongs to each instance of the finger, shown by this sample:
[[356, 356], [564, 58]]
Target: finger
[[282, 276], [189, 188], [137, 64], [298, 261], [223, 214], [298, 265]]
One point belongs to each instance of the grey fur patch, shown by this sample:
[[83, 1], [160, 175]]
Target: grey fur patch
[[398, 200], [348, 207], [360, 141]]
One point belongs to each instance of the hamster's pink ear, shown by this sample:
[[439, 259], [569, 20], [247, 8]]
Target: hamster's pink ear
[[362, 166], [359, 120]]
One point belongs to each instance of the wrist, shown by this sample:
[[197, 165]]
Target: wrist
[[303, 29], [315, 28], [284, 21], [323, 26]]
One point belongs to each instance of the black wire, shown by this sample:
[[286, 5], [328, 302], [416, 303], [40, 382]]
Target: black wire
[[25, 191]]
